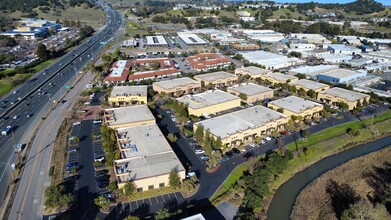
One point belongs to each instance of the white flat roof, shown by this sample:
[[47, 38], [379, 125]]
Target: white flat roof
[[191, 39], [229, 124], [250, 89], [156, 40], [254, 70], [173, 83], [117, 71], [147, 153], [343, 47], [129, 90], [314, 70], [345, 94], [340, 73], [130, 114], [295, 104], [215, 76], [308, 84], [280, 76], [208, 98]]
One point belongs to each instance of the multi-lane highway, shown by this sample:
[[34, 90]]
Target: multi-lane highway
[[32, 99]]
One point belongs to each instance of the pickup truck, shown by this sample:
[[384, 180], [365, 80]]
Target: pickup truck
[[7, 130]]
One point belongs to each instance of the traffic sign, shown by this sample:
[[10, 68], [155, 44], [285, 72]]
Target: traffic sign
[[103, 42], [67, 87]]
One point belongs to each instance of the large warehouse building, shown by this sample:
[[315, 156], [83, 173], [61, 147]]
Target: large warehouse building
[[217, 79], [128, 95], [177, 87], [253, 92]]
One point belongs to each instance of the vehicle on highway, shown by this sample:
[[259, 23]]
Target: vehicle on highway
[[16, 117], [29, 115], [7, 130], [20, 147], [27, 104], [16, 91], [13, 102]]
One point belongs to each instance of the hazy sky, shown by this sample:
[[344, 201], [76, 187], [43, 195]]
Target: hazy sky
[[384, 2]]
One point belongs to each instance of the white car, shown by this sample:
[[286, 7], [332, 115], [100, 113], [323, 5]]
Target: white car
[[190, 174], [253, 145], [267, 138], [199, 151]]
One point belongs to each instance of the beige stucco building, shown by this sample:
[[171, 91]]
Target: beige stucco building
[[253, 71], [244, 125], [253, 92], [308, 84], [146, 158], [128, 95], [296, 106], [209, 102], [217, 79], [177, 87], [276, 78], [335, 95], [128, 116]]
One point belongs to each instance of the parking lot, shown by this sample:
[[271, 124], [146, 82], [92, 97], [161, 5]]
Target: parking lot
[[166, 200]]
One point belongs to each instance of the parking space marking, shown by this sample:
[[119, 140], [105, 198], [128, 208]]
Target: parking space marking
[[160, 199], [138, 205], [175, 196], [155, 200], [166, 197], [134, 204]]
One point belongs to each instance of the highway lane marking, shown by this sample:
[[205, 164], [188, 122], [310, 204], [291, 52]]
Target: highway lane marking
[[31, 176], [2, 175]]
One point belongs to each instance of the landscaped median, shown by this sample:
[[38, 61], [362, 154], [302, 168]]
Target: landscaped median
[[237, 188]]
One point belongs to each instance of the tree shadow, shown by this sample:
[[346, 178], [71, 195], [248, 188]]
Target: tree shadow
[[342, 196], [380, 180]]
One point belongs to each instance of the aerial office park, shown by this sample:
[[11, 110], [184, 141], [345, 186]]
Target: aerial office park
[[232, 110]]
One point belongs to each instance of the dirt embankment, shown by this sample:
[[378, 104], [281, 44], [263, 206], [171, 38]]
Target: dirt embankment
[[363, 178]]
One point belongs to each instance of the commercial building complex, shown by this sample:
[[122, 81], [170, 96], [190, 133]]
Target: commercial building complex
[[252, 92], [128, 95], [245, 46], [341, 75], [244, 125], [218, 79], [177, 87], [253, 71], [313, 71], [310, 85], [31, 29], [296, 106], [129, 116], [336, 95], [207, 61], [276, 78], [118, 72], [209, 102]]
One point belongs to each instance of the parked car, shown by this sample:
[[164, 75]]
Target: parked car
[[190, 174], [199, 151], [284, 132], [204, 157]]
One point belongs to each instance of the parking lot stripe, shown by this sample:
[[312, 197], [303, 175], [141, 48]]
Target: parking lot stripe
[[175, 196], [166, 197], [160, 198], [156, 200], [138, 205]]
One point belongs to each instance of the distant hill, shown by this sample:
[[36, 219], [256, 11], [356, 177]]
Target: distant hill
[[359, 7], [28, 5]]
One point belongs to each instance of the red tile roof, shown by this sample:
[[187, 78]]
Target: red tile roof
[[124, 74], [204, 60]]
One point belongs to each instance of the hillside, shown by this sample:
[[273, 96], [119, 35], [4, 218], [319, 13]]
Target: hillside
[[359, 7]]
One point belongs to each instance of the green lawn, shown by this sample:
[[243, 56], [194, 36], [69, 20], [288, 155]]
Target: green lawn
[[230, 181], [42, 65], [4, 88], [323, 143]]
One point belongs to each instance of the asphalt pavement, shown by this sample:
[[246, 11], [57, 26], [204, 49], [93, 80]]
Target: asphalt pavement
[[53, 82]]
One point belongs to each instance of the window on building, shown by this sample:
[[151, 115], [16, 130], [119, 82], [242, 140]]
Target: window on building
[[161, 185], [151, 187], [140, 189]]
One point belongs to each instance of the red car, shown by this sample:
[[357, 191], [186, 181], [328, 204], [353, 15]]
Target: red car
[[284, 132]]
